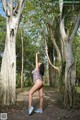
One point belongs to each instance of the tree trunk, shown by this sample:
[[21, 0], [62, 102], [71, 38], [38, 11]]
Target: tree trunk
[[8, 68], [51, 76], [70, 76], [22, 63], [50, 52], [70, 69]]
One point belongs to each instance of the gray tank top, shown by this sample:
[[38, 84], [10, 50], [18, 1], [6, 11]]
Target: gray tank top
[[36, 75]]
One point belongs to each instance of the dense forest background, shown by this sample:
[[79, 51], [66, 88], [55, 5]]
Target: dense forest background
[[53, 28]]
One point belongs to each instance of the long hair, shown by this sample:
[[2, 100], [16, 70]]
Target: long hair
[[42, 69]]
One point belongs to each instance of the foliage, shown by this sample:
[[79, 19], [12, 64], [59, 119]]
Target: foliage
[[41, 13], [2, 35], [76, 49], [35, 16], [71, 11], [29, 50]]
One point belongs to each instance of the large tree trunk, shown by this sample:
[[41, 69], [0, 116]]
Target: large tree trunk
[[70, 76], [8, 67], [70, 69]]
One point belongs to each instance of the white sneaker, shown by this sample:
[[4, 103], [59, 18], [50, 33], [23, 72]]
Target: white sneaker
[[39, 110], [30, 110]]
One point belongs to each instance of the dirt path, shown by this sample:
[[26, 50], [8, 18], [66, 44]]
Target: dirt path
[[53, 108]]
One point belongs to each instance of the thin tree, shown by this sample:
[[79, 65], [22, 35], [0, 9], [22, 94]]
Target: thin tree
[[22, 61]]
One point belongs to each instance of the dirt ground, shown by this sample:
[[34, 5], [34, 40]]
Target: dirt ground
[[53, 108]]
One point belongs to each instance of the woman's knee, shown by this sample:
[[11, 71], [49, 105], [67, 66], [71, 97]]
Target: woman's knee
[[41, 96], [30, 93]]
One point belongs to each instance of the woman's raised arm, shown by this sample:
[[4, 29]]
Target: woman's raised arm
[[37, 60]]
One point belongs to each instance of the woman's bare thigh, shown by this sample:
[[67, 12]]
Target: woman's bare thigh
[[38, 84]]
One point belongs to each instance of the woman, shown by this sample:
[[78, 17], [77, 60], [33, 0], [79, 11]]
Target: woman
[[38, 72]]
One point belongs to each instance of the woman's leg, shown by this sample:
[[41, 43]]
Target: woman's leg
[[36, 86], [41, 98]]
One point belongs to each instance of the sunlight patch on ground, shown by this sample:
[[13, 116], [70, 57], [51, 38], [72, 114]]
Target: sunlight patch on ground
[[49, 98], [23, 96]]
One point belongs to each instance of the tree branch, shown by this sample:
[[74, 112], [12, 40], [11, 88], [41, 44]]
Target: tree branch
[[49, 58], [62, 29], [20, 9], [4, 5], [15, 9], [54, 43], [75, 28], [48, 21], [10, 5]]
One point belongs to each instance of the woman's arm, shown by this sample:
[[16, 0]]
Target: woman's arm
[[37, 60]]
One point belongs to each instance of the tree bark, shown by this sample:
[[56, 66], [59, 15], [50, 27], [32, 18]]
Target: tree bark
[[22, 62], [70, 76], [70, 69], [50, 53], [8, 67]]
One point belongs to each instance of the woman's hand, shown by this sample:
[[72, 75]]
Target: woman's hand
[[37, 53]]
